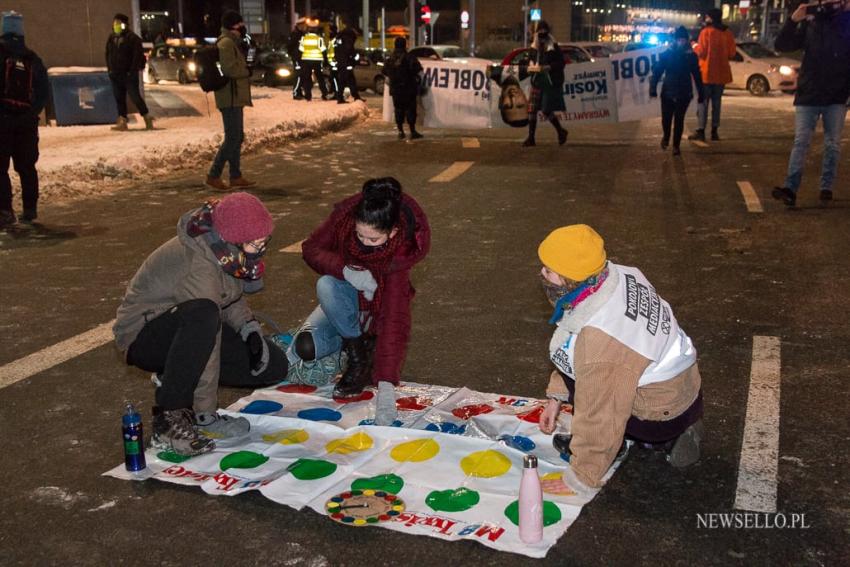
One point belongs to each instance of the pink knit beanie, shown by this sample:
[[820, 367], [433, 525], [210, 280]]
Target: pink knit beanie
[[241, 217]]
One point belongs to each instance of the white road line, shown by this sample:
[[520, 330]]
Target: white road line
[[53, 355], [757, 468], [292, 248], [471, 143], [452, 172], [750, 198]]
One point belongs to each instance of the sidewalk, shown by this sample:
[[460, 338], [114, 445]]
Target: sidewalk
[[79, 161]]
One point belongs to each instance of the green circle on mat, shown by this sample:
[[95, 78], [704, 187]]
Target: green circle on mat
[[387, 482], [172, 457], [456, 500], [311, 469], [551, 513], [242, 460]]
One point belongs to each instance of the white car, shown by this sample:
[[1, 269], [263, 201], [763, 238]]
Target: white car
[[448, 53], [760, 70]]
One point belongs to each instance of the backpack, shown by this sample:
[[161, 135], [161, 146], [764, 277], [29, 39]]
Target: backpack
[[16, 91], [210, 75]]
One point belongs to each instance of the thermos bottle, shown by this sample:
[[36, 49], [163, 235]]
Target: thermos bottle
[[134, 439], [530, 502]]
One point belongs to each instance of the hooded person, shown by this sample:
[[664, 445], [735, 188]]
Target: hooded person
[[185, 318], [715, 48], [404, 72], [620, 358], [23, 94], [547, 85], [125, 59]]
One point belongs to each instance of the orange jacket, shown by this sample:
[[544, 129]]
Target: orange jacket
[[715, 48]]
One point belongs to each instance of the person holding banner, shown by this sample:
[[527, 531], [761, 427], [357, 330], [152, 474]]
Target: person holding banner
[[621, 359], [676, 65], [547, 85], [405, 74]]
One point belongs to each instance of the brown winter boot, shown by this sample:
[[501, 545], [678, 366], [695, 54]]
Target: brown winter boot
[[241, 182], [120, 124], [148, 121], [216, 183]]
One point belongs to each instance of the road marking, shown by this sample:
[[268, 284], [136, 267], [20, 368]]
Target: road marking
[[54, 355], [750, 198], [293, 248], [471, 143], [757, 468], [700, 143], [452, 172]]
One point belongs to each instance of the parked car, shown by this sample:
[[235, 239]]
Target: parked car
[[172, 63], [369, 71], [448, 53], [523, 55], [594, 50], [273, 68], [760, 70]]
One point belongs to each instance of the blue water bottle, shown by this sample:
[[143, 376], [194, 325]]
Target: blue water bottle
[[134, 439]]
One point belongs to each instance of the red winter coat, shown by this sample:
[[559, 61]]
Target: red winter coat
[[323, 252]]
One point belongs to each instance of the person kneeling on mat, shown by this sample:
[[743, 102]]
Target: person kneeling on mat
[[185, 318], [364, 253], [622, 360]]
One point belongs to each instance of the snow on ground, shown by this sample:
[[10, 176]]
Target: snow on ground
[[77, 161]]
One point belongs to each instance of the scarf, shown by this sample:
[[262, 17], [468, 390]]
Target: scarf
[[570, 300], [232, 259]]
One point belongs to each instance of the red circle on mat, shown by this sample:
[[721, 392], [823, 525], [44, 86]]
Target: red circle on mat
[[337, 516], [296, 389], [364, 395], [383, 517], [466, 412], [532, 416], [412, 403]]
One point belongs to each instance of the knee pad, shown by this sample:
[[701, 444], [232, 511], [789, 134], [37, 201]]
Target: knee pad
[[304, 346]]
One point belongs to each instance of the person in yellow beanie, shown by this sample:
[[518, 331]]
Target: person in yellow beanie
[[621, 359]]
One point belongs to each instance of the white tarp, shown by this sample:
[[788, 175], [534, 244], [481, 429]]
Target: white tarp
[[454, 457]]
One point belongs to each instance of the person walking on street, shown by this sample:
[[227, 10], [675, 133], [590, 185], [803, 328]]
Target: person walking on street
[[715, 48], [346, 57], [23, 94], [404, 73], [547, 85], [677, 66], [292, 45], [822, 31], [231, 101], [314, 55], [185, 318], [125, 59]]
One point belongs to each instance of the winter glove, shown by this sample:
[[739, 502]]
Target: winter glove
[[361, 280], [258, 349]]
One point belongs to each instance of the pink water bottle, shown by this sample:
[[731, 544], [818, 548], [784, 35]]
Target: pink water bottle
[[530, 502]]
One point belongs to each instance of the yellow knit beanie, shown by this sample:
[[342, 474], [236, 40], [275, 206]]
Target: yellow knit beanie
[[575, 252]]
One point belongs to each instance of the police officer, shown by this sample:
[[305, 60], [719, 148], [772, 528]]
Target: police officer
[[23, 94], [346, 56], [295, 54], [313, 56]]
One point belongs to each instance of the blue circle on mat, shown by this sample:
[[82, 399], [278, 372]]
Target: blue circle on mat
[[518, 442], [260, 407], [396, 423], [320, 414], [446, 427]]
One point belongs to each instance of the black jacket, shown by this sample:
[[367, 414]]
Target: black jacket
[[677, 66], [825, 73], [403, 70], [124, 54], [292, 45], [14, 45], [344, 52]]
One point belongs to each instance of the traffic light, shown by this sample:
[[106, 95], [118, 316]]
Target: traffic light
[[425, 14]]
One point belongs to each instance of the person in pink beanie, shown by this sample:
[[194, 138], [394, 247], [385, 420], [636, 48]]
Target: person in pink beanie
[[185, 318]]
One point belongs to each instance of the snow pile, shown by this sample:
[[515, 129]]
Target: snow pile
[[78, 161]]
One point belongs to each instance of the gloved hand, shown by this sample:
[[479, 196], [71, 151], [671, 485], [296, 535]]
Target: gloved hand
[[298, 66], [258, 349], [653, 93], [361, 280]]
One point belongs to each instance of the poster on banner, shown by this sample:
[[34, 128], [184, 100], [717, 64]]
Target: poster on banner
[[632, 72]]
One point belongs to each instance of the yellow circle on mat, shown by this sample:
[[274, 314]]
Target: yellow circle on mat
[[357, 442], [287, 436], [416, 451], [398, 508], [359, 522], [369, 492], [333, 504], [485, 464], [552, 476]]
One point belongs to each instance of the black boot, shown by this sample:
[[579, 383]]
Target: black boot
[[715, 137], [698, 135], [532, 129], [358, 374], [562, 133]]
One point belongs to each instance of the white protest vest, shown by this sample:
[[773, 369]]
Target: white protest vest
[[639, 318]]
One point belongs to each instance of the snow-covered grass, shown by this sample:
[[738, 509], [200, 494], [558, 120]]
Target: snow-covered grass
[[78, 161]]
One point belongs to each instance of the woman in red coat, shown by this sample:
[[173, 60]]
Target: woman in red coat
[[364, 253]]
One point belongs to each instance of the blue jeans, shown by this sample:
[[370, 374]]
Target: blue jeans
[[804, 125], [713, 94], [231, 148], [336, 317]]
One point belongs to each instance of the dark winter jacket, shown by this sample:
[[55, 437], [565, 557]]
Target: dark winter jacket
[[323, 251], [551, 82], [14, 45], [678, 67], [292, 45], [403, 70], [825, 73], [124, 54], [344, 51]]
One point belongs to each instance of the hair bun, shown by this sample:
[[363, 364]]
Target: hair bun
[[382, 189]]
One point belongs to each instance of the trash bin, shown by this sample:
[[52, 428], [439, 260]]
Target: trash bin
[[82, 96]]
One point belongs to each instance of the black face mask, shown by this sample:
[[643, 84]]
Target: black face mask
[[241, 30]]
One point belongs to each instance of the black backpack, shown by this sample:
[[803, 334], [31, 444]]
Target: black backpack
[[16, 92], [210, 75]]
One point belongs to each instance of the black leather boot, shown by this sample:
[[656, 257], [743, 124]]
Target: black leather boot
[[358, 374]]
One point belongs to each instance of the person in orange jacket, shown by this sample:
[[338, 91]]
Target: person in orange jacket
[[715, 47]]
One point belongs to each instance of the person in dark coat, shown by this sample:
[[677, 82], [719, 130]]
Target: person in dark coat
[[547, 85], [295, 54], [346, 57], [124, 60], [404, 73], [23, 94], [678, 65], [823, 88], [364, 252]]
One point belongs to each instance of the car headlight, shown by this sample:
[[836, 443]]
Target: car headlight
[[192, 66], [283, 72], [786, 70]]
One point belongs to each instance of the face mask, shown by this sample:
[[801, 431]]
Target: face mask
[[118, 28], [554, 292], [242, 30]]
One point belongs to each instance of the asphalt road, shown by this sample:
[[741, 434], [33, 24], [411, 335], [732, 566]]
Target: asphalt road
[[479, 320]]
